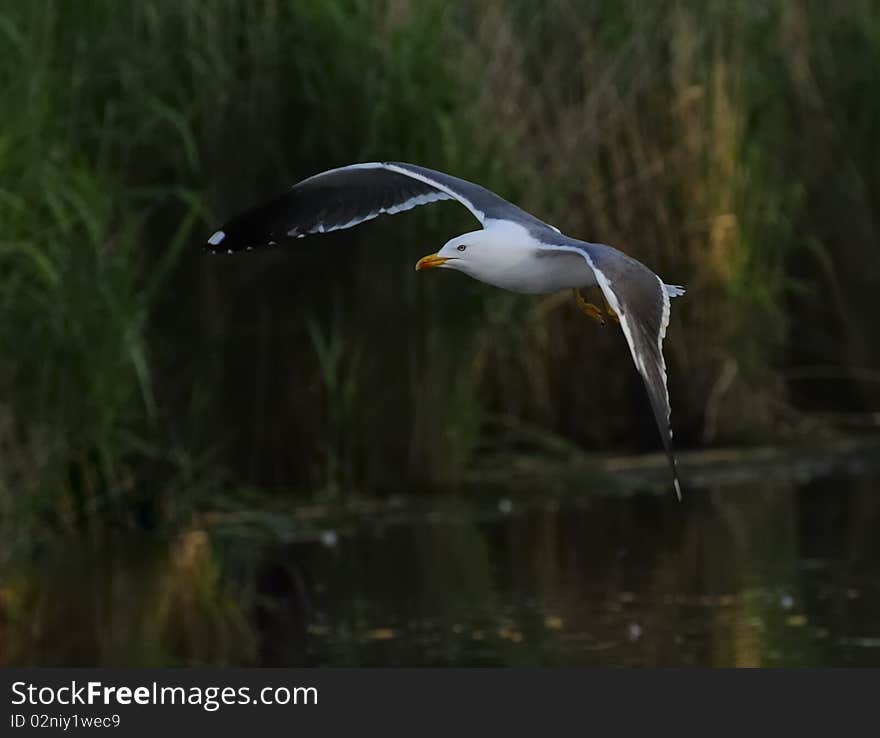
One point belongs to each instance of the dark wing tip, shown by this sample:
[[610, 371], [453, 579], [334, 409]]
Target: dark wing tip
[[655, 384], [258, 227], [222, 242], [676, 483], [656, 388]]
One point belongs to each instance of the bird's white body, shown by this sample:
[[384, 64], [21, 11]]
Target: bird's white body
[[506, 255]]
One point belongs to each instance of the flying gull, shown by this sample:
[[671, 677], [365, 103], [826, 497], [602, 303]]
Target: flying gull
[[513, 250]]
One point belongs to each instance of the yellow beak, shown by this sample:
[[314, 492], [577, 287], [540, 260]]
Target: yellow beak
[[432, 260]]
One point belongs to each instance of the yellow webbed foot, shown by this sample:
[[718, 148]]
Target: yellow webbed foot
[[588, 308]]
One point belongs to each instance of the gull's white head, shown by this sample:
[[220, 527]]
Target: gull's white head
[[479, 254]]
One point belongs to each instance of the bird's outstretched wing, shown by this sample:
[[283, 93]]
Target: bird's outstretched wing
[[347, 196], [641, 300]]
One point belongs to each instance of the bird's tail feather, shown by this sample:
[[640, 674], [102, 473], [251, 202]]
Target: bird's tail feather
[[674, 290]]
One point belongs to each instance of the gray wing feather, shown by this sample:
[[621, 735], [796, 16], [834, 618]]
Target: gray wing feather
[[483, 203], [641, 300]]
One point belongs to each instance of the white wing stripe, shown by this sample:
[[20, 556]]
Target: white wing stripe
[[478, 214], [605, 285], [413, 202], [449, 192]]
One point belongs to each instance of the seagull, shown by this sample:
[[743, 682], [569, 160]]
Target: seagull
[[512, 250]]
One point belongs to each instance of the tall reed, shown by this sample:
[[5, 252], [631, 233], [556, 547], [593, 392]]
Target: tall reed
[[692, 135]]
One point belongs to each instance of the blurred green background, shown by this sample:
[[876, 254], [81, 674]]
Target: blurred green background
[[170, 422]]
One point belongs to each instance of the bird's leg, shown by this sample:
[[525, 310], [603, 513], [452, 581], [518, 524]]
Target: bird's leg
[[588, 308]]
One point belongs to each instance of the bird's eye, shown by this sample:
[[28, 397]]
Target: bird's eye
[[461, 247]]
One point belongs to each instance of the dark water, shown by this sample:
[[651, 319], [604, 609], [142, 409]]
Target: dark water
[[743, 575], [754, 574]]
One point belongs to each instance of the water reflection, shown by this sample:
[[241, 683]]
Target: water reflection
[[743, 576], [752, 575]]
